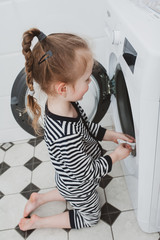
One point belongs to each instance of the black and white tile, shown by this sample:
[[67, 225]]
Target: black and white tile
[[25, 167]]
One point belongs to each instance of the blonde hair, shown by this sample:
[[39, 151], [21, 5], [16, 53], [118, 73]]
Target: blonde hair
[[60, 66]]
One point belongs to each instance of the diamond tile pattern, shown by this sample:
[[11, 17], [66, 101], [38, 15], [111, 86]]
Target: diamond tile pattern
[[32, 163], [1, 195], [24, 234], [6, 146], [25, 168], [4, 167], [105, 181], [109, 213], [26, 192]]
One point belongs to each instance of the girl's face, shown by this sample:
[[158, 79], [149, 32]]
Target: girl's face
[[81, 85]]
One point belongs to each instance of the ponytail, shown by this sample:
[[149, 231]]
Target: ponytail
[[31, 101]]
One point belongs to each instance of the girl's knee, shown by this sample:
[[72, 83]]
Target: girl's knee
[[93, 220], [94, 223]]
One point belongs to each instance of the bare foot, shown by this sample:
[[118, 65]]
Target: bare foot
[[28, 223], [32, 204]]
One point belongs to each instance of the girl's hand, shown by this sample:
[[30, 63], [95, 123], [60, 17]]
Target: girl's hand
[[121, 152], [114, 136], [124, 137]]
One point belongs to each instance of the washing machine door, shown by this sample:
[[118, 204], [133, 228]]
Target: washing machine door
[[123, 103], [95, 102]]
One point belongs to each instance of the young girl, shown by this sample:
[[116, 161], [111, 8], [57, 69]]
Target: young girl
[[62, 65]]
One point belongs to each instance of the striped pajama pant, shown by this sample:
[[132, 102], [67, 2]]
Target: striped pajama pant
[[86, 208], [86, 212]]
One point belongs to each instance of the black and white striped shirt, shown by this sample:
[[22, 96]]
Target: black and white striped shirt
[[75, 152]]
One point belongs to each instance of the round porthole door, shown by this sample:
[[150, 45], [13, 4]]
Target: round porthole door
[[123, 103], [95, 102]]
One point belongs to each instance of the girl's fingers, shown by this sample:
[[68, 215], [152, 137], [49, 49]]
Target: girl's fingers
[[129, 138], [128, 146], [124, 137], [115, 140]]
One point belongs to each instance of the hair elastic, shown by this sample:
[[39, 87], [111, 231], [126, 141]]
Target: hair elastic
[[47, 55], [31, 93], [41, 36]]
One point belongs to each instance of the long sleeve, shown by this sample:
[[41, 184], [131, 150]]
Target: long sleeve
[[71, 158], [95, 129]]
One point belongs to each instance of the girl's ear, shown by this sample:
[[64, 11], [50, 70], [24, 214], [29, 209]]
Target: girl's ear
[[61, 88]]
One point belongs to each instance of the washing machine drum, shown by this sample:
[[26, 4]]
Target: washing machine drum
[[95, 102]]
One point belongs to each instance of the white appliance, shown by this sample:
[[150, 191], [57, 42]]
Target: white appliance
[[85, 18], [133, 64]]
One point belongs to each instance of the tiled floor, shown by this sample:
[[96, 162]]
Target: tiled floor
[[25, 167]]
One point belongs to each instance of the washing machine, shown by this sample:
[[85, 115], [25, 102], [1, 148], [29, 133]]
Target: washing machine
[[49, 16], [132, 63]]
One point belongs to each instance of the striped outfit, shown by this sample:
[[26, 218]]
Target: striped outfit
[[79, 165]]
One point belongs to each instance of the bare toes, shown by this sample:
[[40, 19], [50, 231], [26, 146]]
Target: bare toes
[[28, 223]]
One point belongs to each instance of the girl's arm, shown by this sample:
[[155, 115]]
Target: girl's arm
[[101, 133], [94, 128], [70, 158]]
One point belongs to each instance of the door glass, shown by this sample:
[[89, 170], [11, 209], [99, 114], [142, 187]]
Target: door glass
[[123, 103]]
